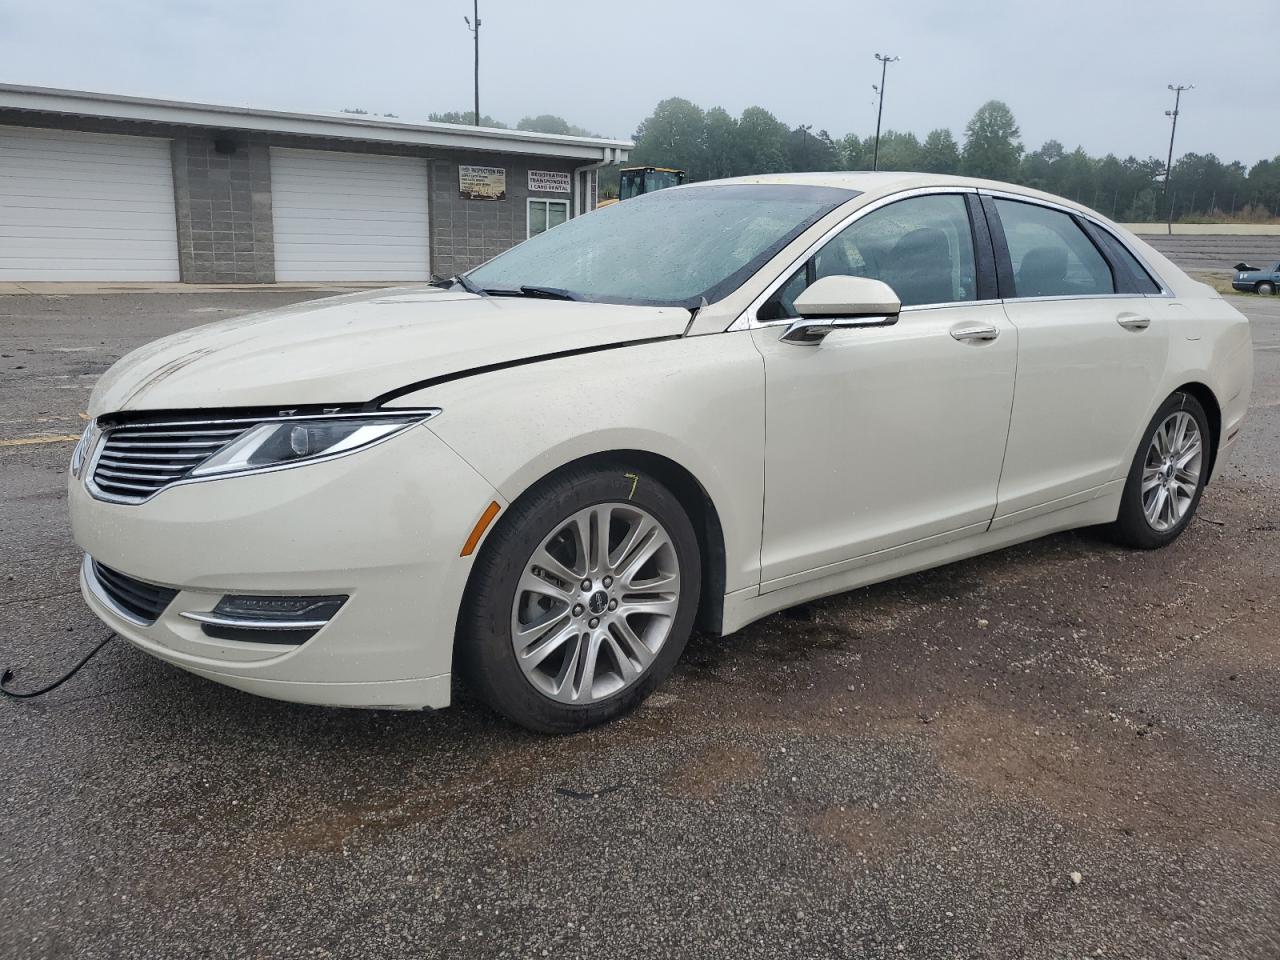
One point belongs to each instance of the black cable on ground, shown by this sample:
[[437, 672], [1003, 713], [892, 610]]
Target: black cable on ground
[[22, 695]]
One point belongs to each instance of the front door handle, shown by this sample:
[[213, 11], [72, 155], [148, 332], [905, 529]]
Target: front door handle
[[975, 331], [1133, 321]]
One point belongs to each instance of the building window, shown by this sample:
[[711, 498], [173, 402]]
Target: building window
[[545, 214]]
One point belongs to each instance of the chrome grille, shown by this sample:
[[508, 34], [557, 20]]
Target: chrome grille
[[138, 460]]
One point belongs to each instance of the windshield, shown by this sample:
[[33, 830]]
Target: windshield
[[670, 248]]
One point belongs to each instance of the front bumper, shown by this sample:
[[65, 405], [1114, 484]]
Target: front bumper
[[383, 526]]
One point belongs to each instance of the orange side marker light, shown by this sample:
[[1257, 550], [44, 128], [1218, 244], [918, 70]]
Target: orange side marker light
[[481, 526]]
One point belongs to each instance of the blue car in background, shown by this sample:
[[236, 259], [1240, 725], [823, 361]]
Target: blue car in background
[[1252, 280]]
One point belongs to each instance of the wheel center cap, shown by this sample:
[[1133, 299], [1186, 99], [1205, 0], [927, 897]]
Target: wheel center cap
[[599, 602]]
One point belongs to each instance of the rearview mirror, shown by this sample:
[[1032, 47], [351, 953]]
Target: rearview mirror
[[838, 302]]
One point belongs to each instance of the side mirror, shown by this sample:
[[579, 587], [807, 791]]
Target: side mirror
[[839, 302]]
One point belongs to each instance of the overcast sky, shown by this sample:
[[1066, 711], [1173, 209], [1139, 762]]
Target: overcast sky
[[1087, 72]]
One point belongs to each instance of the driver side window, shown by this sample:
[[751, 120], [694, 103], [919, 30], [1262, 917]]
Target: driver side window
[[922, 247]]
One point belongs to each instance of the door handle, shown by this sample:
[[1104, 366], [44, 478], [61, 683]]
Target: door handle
[[1133, 321], [975, 331]]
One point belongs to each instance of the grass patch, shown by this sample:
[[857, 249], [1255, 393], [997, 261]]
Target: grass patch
[[1219, 281]]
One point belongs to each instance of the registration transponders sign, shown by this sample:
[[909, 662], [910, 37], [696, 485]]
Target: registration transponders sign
[[548, 181]]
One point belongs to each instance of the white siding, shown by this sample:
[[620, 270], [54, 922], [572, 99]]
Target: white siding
[[85, 206], [346, 216]]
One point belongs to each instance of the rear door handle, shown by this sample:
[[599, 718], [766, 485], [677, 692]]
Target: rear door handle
[[975, 331], [1133, 321]]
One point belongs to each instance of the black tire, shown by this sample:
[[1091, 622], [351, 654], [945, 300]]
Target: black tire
[[1132, 528], [484, 651], [1265, 289]]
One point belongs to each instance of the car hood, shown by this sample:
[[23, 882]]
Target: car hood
[[355, 348]]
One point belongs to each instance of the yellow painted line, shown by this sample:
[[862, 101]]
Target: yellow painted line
[[28, 441]]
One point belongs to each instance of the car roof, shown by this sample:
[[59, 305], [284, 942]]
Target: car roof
[[885, 182]]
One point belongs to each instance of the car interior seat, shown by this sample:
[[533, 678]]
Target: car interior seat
[[1042, 273], [920, 269]]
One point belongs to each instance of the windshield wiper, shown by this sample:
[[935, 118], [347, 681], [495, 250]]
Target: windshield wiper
[[536, 292], [467, 285]]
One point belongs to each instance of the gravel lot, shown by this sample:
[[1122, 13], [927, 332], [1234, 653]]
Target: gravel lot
[[917, 769]]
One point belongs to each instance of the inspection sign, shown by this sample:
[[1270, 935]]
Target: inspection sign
[[482, 183]]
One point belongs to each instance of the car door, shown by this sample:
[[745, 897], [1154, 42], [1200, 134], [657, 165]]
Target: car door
[[883, 436], [1091, 352]]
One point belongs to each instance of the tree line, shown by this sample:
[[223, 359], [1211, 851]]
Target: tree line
[[709, 144]]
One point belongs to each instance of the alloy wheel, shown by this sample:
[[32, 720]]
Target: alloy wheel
[[1171, 473], [595, 603]]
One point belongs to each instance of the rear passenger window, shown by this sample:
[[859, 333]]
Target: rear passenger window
[[1119, 254], [1052, 256]]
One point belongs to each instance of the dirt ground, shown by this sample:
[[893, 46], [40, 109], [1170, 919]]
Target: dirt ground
[[1061, 750]]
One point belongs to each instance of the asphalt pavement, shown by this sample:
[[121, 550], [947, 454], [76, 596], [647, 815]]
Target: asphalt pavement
[[1064, 749]]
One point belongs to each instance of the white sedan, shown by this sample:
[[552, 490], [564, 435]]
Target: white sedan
[[696, 407]]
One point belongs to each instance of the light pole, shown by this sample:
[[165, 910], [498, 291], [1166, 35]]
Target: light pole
[[885, 60], [805, 130], [1168, 166], [475, 32]]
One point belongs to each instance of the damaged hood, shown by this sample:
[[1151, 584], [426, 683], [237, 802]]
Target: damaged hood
[[352, 349]]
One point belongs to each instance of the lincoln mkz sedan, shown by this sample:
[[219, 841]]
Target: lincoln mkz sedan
[[693, 408]]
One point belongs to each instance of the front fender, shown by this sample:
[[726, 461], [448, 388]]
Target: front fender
[[697, 401]]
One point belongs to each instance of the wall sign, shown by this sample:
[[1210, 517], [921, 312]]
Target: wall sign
[[548, 181], [482, 183]]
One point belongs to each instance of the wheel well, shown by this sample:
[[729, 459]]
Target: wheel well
[[1211, 410], [702, 514]]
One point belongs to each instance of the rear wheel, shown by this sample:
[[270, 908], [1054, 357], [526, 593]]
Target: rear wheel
[[582, 600], [1266, 289], [1167, 476]]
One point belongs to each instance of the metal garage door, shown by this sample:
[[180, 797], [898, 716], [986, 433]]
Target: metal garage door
[[85, 206], [348, 216]]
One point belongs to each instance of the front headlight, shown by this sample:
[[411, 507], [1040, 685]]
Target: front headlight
[[288, 442], [81, 452]]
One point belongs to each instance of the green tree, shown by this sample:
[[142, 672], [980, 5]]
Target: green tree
[[674, 135], [855, 153], [1037, 168], [992, 144], [762, 142], [940, 153], [550, 123], [720, 144], [898, 151], [466, 117], [807, 150]]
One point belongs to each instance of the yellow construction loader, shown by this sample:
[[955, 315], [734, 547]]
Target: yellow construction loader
[[633, 181]]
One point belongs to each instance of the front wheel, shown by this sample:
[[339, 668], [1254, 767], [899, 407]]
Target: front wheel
[[1167, 476], [582, 599]]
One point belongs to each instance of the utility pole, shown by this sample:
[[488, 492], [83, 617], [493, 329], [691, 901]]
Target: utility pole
[[1168, 167], [475, 32], [885, 60]]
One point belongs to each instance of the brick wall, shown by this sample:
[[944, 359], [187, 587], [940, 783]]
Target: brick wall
[[223, 202], [465, 233]]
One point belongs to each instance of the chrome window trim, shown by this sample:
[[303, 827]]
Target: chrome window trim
[[1093, 218], [423, 414], [747, 319]]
